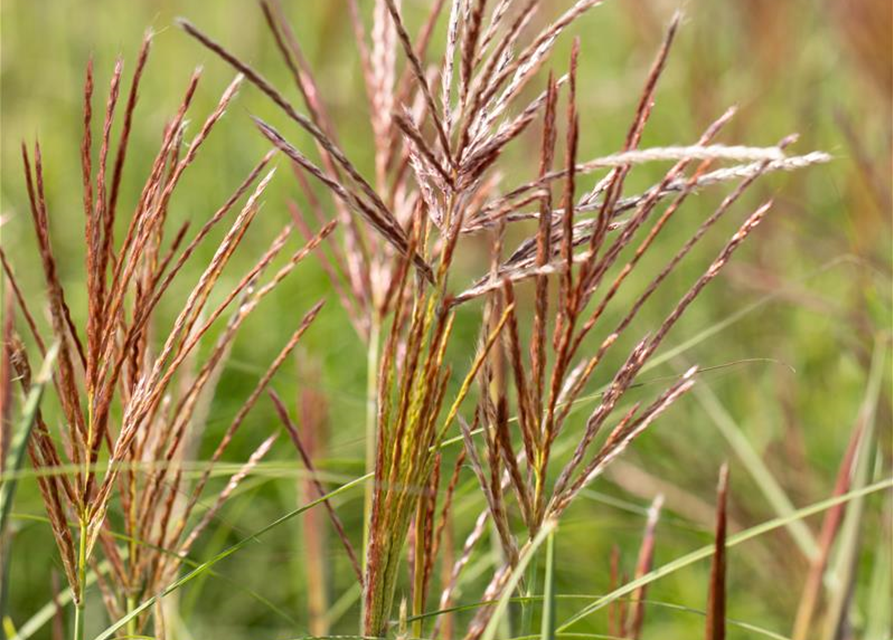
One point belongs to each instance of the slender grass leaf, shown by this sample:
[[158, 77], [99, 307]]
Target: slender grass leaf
[[518, 572], [199, 570], [844, 568], [707, 551], [758, 470], [16, 455], [548, 626]]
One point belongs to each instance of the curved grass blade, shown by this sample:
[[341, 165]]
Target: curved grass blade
[[517, 574], [16, 454], [707, 551], [756, 467], [200, 569], [548, 626], [14, 459], [582, 596], [846, 561], [43, 615]]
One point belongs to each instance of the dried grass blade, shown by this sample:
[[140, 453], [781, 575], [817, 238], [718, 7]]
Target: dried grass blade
[[126, 128]]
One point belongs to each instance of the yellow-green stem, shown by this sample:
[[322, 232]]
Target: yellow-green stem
[[418, 567], [82, 580], [131, 624], [371, 422]]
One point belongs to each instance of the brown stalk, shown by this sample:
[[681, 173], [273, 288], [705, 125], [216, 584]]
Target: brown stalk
[[454, 22], [86, 158], [491, 487], [125, 262], [626, 431], [309, 89], [527, 418], [477, 96], [630, 228], [525, 65], [471, 33], [411, 131], [715, 625], [403, 92], [42, 452], [23, 306], [173, 435], [68, 395]]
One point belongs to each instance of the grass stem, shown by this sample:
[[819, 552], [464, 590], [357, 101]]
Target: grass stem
[[371, 422], [418, 578], [82, 580]]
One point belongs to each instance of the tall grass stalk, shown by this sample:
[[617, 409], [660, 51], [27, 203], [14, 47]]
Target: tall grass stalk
[[371, 427]]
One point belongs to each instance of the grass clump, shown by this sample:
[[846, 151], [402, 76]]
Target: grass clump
[[563, 264]]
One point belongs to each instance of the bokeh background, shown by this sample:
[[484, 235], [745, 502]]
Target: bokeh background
[[790, 327]]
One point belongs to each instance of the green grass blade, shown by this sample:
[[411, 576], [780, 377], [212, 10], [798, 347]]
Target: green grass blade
[[582, 596], [877, 613], [344, 602], [844, 568], [14, 459], [757, 469], [707, 551], [200, 569], [548, 626], [506, 597], [43, 615], [16, 455]]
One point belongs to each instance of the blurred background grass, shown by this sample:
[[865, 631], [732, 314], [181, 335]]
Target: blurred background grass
[[816, 278]]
